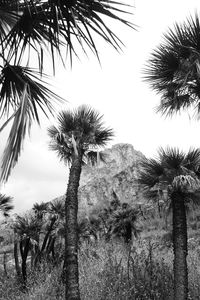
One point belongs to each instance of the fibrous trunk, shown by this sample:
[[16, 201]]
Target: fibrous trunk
[[17, 267], [180, 247], [24, 249], [71, 233]]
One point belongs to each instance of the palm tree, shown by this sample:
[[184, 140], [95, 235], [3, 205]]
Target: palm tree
[[27, 229], [76, 140], [175, 176], [50, 216], [122, 223], [174, 66], [40, 209], [54, 27], [5, 205]]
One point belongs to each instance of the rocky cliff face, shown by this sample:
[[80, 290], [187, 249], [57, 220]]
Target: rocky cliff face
[[118, 174]]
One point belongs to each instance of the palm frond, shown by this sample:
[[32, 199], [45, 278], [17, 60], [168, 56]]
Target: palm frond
[[8, 18], [54, 24], [57, 144], [173, 68], [151, 172], [22, 91], [33, 30], [172, 158], [186, 183], [94, 157], [57, 208], [77, 20], [192, 161], [5, 205], [27, 226]]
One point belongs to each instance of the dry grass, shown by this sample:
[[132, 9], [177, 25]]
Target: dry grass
[[112, 271]]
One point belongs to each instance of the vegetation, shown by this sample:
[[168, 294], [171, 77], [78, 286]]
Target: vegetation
[[122, 251], [110, 270]]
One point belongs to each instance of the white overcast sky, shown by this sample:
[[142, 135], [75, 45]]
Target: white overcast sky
[[116, 90]]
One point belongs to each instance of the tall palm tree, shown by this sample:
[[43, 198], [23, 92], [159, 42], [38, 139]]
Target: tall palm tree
[[5, 205], [175, 176], [174, 67], [49, 26], [76, 139]]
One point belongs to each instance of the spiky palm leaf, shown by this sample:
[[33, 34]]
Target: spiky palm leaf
[[8, 17], [5, 205], [53, 24], [174, 68]]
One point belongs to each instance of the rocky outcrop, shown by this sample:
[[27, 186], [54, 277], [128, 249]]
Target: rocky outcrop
[[119, 174]]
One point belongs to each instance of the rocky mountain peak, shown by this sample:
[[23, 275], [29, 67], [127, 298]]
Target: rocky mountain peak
[[119, 174]]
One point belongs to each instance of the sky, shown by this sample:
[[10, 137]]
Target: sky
[[117, 90]]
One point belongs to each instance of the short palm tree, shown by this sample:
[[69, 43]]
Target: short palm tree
[[5, 205], [174, 67], [44, 27], [40, 209], [123, 223], [175, 176], [27, 230], [80, 133]]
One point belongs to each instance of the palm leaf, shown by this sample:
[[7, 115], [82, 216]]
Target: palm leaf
[[58, 144], [173, 68], [5, 205], [22, 90], [53, 24]]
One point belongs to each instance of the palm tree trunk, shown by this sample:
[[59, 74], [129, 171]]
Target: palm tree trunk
[[180, 247], [71, 231], [16, 257], [24, 253], [5, 264]]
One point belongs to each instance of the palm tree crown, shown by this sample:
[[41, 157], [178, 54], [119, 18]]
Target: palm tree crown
[[79, 131], [173, 170], [174, 66]]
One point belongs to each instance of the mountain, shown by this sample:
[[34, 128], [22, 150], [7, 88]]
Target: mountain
[[118, 174]]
